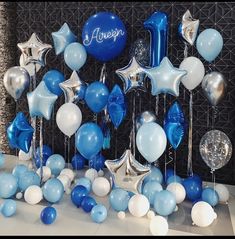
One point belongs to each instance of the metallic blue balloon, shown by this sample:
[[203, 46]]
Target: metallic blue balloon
[[104, 36], [20, 133], [48, 215], [78, 161], [97, 162], [117, 106], [46, 153], [88, 203]]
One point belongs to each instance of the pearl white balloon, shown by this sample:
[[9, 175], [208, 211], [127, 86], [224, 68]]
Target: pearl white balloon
[[100, 173], [46, 173], [178, 190], [203, 214], [33, 194], [138, 205], [25, 156], [91, 173], [158, 226], [222, 192], [101, 186], [65, 180], [150, 214], [121, 215], [69, 172], [19, 195]]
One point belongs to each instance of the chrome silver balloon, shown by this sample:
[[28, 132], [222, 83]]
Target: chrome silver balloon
[[145, 117], [216, 149], [16, 80], [214, 87]]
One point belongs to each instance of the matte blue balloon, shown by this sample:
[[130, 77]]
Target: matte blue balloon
[[52, 79], [193, 188], [27, 179], [209, 44], [86, 182], [99, 213], [210, 196], [164, 203], [2, 160], [19, 170], [8, 185], [118, 199], [88, 203], [56, 163], [53, 190], [104, 36], [174, 179], [150, 189], [48, 215], [96, 96], [117, 106], [155, 175], [78, 161], [8, 208], [75, 56], [89, 140], [97, 162], [169, 172], [77, 195], [46, 153]]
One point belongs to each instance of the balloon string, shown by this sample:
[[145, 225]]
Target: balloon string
[[103, 73], [133, 123], [213, 180], [65, 147], [214, 116], [156, 104], [185, 50], [190, 136], [41, 148], [164, 112], [68, 157], [175, 163], [53, 130]]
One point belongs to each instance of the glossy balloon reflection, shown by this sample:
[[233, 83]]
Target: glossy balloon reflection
[[145, 117]]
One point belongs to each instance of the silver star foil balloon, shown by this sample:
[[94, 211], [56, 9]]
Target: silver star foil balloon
[[188, 28], [31, 67], [127, 172], [145, 117], [74, 88], [165, 78], [132, 75], [34, 50]]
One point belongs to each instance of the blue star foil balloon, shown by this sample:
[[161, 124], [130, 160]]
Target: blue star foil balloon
[[175, 125], [20, 133], [41, 101], [62, 38], [116, 106]]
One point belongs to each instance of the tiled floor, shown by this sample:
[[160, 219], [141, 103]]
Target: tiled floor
[[73, 221]]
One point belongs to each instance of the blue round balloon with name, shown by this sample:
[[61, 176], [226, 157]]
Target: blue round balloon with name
[[48, 215], [8, 208], [104, 36], [210, 196]]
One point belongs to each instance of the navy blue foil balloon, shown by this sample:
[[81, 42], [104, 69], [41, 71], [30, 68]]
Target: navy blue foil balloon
[[20, 133], [116, 106], [175, 125]]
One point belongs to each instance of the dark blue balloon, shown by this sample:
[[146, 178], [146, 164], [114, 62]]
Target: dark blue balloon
[[104, 36], [48, 215], [78, 161], [96, 96], [169, 173], [197, 177], [77, 195], [117, 106], [193, 188], [46, 153], [97, 162], [197, 200], [88, 203], [52, 80]]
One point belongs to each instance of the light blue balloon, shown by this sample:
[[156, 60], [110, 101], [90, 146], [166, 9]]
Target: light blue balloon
[[99, 213], [19, 170], [75, 56], [174, 179], [8, 185], [56, 163], [2, 160], [155, 175], [209, 44], [119, 199], [164, 203], [27, 179], [8, 208], [210, 196], [53, 190], [86, 182], [150, 189]]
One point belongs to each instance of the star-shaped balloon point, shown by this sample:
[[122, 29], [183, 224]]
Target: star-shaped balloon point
[[41, 101], [63, 38], [127, 172], [165, 78], [34, 50], [74, 88], [20, 133], [132, 75]]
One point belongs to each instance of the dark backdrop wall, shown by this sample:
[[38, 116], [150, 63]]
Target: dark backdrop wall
[[47, 17]]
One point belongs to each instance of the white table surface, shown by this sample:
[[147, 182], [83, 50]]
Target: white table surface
[[74, 221]]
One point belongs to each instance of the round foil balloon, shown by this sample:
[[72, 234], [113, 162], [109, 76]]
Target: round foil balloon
[[216, 149], [104, 36]]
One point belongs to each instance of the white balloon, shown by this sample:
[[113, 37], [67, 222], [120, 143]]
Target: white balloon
[[19, 195], [30, 67], [178, 190], [101, 186], [46, 173], [203, 214], [25, 156], [100, 173], [138, 205], [150, 214], [69, 118], [33, 194], [222, 192], [121, 215], [69, 172], [195, 72], [65, 180], [91, 173], [158, 226]]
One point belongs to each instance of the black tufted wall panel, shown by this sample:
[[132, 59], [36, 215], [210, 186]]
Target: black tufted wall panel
[[46, 17]]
